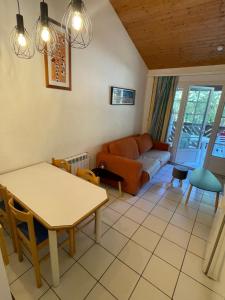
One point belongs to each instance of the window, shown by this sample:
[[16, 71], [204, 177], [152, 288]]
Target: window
[[219, 145]]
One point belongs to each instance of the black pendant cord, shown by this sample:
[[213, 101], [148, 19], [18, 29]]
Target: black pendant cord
[[18, 4]]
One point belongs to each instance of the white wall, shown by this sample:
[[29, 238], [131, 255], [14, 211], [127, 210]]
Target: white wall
[[37, 123]]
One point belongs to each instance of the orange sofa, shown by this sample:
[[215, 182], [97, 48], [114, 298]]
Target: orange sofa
[[135, 158]]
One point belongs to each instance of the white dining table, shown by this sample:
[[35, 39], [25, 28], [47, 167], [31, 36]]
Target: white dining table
[[57, 199]]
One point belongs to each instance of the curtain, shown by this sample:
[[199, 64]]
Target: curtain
[[163, 93]]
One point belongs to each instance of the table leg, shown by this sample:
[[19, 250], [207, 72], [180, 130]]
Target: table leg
[[53, 248], [98, 221], [188, 194], [171, 182], [120, 188], [180, 183], [217, 201]]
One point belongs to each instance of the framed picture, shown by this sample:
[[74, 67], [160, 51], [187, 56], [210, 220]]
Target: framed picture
[[121, 96], [58, 67]]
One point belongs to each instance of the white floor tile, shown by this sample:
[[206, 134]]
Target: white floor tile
[[201, 231], [155, 224], [182, 222], [65, 262], [197, 246], [15, 268], [135, 256], [170, 252], [187, 211], [162, 213], [89, 229], [177, 235], [113, 241], [24, 288], [151, 196], [120, 206], [96, 260], [205, 219], [174, 194], [166, 282], [126, 226], [146, 238], [144, 204], [110, 216], [206, 209], [128, 198], [146, 290], [136, 214], [120, 280], [83, 243], [77, 282], [193, 267], [187, 289], [167, 203], [50, 295], [99, 293]]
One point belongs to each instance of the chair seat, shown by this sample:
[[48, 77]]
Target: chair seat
[[205, 180], [41, 233]]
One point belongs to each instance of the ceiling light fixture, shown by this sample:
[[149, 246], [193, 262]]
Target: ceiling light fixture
[[78, 25], [20, 39], [220, 48], [46, 38]]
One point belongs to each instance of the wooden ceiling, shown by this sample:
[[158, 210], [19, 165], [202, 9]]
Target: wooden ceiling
[[175, 33]]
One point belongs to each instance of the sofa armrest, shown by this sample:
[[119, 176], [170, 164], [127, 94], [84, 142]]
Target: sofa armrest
[[127, 168], [161, 146]]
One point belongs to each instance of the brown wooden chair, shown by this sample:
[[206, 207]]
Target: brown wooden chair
[[62, 164], [3, 247], [5, 212], [31, 233], [88, 175]]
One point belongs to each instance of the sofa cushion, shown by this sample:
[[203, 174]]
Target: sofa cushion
[[144, 142], [162, 156], [151, 166], [126, 148]]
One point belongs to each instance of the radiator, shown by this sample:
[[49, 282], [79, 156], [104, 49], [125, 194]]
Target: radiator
[[79, 161]]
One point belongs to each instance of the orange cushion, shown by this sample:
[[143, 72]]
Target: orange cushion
[[126, 148], [144, 142]]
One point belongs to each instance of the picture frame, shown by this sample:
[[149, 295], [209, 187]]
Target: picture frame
[[58, 67], [122, 96]]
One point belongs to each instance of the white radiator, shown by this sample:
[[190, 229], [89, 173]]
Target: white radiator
[[79, 161]]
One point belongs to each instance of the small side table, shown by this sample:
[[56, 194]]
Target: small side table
[[106, 174], [180, 173]]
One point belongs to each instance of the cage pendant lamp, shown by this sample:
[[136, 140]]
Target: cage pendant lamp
[[20, 39], [46, 38], [78, 25]]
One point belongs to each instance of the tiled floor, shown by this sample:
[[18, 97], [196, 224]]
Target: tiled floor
[[152, 248]]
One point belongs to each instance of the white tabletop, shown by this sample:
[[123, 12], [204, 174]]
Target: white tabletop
[[57, 198]]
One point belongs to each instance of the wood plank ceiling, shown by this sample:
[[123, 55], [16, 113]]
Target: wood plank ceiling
[[175, 33]]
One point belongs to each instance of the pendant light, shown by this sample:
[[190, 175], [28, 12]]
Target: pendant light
[[46, 38], [78, 25], [20, 39]]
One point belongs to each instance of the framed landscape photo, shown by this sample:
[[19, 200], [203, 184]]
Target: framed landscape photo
[[58, 66], [121, 96]]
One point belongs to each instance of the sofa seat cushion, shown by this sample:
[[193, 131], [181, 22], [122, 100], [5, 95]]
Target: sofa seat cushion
[[144, 142], [162, 156], [151, 166], [127, 148]]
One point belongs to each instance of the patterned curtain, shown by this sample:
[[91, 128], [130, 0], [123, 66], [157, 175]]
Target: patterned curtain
[[163, 93]]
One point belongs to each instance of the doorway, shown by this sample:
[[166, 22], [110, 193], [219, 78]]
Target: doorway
[[191, 132]]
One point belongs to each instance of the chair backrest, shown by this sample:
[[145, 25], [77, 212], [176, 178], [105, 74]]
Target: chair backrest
[[22, 216], [5, 196], [88, 175], [62, 164]]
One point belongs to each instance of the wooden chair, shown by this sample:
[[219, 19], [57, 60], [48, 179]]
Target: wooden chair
[[5, 212], [62, 164], [88, 175], [31, 233], [3, 247]]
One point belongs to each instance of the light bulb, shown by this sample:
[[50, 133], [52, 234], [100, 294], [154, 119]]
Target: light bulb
[[45, 35], [21, 40], [77, 21]]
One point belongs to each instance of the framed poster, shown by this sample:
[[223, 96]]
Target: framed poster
[[58, 66], [121, 96]]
